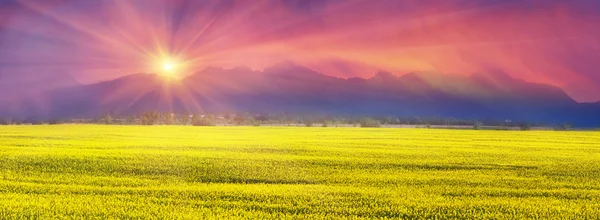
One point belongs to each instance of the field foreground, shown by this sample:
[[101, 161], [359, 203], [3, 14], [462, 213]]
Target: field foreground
[[87, 171]]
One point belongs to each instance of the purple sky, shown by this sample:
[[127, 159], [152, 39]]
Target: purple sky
[[555, 42]]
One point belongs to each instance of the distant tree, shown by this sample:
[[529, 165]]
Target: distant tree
[[337, 120], [262, 118], [198, 120], [182, 119], [54, 122], [563, 127], [130, 120], [243, 119], [230, 116], [150, 118], [5, 121], [107, 119], [238, 120], [388, 120], [477, 125], [369, 123], [169, 118], [416, 121], [307, 122], [524, 127], [35, 121], [449, 121]]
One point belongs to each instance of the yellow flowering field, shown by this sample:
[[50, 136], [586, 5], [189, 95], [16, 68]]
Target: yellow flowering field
[[185, 172]]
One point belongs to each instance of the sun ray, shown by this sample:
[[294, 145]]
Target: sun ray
[[78, 27]]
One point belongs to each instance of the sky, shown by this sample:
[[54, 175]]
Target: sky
[[544, 41]]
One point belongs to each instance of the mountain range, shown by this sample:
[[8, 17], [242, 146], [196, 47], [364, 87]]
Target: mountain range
[[295, 89]]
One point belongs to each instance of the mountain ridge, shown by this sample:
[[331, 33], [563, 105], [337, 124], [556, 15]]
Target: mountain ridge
[[296, 89]]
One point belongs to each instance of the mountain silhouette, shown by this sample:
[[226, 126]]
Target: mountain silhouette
[[27, 91], [295, 89]]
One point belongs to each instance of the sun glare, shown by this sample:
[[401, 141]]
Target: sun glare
[[168, 68]]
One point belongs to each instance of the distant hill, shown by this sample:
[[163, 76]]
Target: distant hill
[[296, 89], [22, 94]]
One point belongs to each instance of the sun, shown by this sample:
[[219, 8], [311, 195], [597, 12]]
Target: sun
[[171, 67], [168, 68]]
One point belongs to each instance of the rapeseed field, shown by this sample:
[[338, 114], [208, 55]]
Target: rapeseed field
[[184, 172]]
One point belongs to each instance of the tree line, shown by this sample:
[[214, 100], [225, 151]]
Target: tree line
[[282, 119]]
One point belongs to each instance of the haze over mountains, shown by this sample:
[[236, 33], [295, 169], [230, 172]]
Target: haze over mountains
[[296, 89]]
